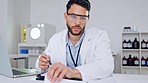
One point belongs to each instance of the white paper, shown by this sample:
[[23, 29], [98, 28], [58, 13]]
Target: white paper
[[63, 81]]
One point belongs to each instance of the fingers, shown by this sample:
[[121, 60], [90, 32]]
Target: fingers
[[43, 61], [62, 75], [56, 72]]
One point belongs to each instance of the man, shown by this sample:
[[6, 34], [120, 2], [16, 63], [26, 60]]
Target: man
[[77, 52]]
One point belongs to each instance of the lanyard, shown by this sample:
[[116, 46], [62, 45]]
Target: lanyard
[[75, 64]]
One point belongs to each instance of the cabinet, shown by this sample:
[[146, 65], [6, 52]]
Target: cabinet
[[32, 51], [134, 66]]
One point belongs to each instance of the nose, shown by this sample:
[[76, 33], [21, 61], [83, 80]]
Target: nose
[[78, 21]]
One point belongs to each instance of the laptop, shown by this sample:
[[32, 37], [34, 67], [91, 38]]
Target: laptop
[[5, 65]]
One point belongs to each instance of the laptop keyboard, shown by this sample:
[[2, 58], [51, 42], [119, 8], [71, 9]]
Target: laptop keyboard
[[16, 72]]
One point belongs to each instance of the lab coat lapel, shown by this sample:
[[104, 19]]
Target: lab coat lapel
[[84, 48], [63, 47]]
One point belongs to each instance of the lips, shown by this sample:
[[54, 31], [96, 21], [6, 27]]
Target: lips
[[76, 28]]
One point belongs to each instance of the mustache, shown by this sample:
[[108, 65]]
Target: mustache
[[77, 26]]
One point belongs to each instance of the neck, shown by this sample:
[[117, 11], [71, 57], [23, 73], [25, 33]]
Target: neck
[[74, 39]]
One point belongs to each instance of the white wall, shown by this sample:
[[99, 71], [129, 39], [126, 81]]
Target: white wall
[[21, 15], [48, 11], [12, 14], [109, 15], [3, 17], [6, 20]]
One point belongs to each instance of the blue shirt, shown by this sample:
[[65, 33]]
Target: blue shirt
[[74, 52]]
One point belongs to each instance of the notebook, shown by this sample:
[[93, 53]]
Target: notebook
[[5, 66]]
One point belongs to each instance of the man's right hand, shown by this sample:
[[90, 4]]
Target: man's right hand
[[43, 61]]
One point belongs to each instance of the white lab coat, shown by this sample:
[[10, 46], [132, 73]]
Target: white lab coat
[[96, 56]]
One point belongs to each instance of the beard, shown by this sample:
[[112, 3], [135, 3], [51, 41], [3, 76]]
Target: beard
[[72, 32]]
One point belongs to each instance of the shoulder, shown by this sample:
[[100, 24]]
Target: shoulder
[[59, 35], [95, 31]]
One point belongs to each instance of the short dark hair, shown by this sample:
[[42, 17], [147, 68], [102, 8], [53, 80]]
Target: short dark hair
[[83, 3]]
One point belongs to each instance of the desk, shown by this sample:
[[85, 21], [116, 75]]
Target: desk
[[126, 78], [29, 79], [115, 78]]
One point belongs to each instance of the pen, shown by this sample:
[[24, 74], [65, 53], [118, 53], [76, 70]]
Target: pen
[[49, 61]]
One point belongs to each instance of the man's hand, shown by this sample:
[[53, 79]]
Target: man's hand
[[58, 71], [43, 61]]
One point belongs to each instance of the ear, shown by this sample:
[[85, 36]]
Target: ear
[[65, 16]]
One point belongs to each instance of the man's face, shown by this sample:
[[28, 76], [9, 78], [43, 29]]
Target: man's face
[[76, 19]]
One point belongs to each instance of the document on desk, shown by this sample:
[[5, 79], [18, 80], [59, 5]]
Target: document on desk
[[63, 81]]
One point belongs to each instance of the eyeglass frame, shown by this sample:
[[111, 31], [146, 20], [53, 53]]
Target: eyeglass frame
[[80, 17]]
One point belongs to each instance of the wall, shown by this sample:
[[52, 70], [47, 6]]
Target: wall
[[48, 11], [109, 15], [21, 15], [12, 14], [6, 13], [3, 17]]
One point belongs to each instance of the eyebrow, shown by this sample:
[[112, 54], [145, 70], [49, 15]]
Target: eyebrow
[[77, 14]]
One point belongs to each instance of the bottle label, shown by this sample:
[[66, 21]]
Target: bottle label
[[130, 45], [143, 62], [124, 45], [143, 45], [147, 45], [147, 63], [136, 62], [124, 62]]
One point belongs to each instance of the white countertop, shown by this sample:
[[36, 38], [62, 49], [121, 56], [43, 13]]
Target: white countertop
[[115, 78]]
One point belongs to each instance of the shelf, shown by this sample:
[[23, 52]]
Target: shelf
[[34, 55], [32, 51], [130, 66], [144, 67], [28, 55], [144, 50], [139, 53], [22, 54], [31, 45], [130, 32], [144, 32], [130, 49]]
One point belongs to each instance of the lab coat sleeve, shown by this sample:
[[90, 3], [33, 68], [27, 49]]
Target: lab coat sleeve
[[37, 65], [47, 52], [102, 64]]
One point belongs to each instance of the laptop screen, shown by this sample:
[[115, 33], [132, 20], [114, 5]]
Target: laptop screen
[[4, 60]]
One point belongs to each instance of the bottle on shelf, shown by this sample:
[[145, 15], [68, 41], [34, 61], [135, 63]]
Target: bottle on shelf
[[130, 60], [124, 61], [129, 44], [143, 61], [143, 44], [147, 61], [124, 44], [147, 45], [136, 61], [134, 58], [134, 29], [135, 44], [127, 29]]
